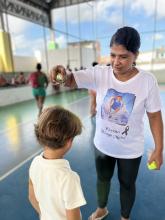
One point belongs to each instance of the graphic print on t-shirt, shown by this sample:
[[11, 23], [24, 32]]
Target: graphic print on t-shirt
[[117, 106]]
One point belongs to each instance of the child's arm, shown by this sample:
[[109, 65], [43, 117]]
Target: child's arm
[[32, 197], [73, 214]]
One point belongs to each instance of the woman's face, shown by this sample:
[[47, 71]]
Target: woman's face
[[121, 59]]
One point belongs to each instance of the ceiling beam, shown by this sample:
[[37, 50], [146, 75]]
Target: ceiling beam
[[64, 3], [25, 11], [40, 4], [36, 11]]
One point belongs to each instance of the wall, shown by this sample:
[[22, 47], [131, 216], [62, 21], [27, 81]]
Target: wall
[[160, 75], [88, 57], [56, 57], [25, 64], [157, 69], [19, 94]]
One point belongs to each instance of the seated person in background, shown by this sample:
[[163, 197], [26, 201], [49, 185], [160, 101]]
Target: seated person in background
[[94, 63], [20, 79], [13, 81], [68, 68], [82, 68], [3, 81]]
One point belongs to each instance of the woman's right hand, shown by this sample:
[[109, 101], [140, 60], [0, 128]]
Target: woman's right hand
[[58, 75]]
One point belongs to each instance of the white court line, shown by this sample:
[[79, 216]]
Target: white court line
[[33, 120], [19, 165], [27, 159]]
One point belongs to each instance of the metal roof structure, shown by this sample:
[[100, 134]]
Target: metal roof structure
[[37, 11], [51, 4]]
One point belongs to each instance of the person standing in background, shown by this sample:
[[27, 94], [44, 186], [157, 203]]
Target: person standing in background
[[39, 82]]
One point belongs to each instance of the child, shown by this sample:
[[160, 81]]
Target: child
[[54, 189]]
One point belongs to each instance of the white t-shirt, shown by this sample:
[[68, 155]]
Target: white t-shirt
[[56, 187], [120, 109]]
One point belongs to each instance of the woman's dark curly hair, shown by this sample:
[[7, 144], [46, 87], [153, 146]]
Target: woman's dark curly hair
[[55, 126]]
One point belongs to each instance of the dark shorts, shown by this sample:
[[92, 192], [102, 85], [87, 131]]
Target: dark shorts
[[38, 91]]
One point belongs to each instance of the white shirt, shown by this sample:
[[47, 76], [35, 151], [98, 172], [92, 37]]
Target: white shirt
[[56, 187], [120, 109]]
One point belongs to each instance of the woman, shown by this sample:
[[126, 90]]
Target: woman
[[119, 137], [39, 83]]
